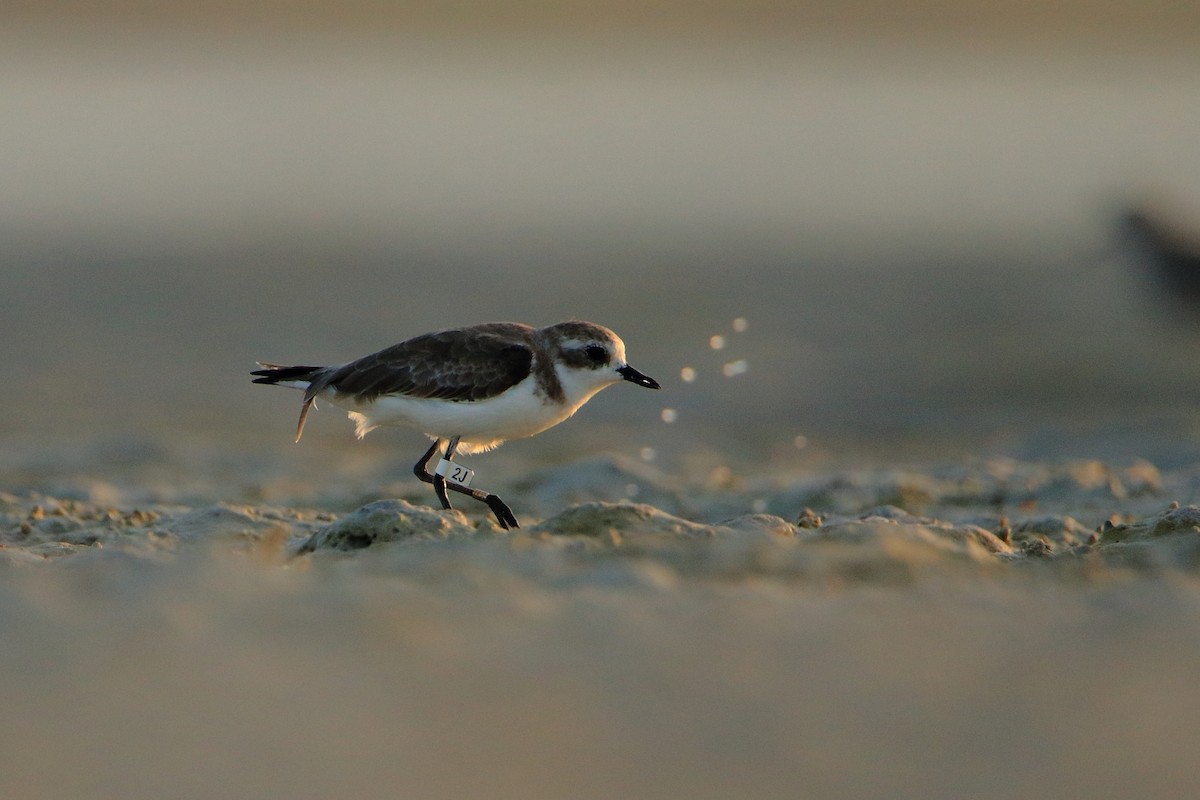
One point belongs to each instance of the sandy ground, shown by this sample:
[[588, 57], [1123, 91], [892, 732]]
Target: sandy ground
[[999, 629]]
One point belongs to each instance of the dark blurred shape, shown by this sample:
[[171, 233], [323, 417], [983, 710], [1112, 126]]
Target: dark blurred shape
[[1169, 249]]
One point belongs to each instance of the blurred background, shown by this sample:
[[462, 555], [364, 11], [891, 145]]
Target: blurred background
[[950, 229]]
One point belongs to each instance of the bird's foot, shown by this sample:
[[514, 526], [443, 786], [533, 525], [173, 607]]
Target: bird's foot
[[504, 515]]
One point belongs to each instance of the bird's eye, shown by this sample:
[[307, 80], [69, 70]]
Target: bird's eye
[[596, 354]]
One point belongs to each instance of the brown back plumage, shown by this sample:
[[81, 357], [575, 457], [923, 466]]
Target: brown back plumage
[[446, 365]]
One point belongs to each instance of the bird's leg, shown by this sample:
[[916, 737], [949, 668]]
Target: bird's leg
[[421, 470], [439, 481], [504, 515]]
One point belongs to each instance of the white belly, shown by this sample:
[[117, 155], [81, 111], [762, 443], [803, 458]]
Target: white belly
[[481, 424]]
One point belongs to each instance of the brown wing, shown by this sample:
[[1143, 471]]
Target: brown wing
[[461, 364]]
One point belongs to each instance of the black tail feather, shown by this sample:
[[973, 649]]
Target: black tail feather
[[274, 373]]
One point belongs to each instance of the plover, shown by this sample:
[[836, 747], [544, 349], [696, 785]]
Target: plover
[[1170, 248], [470, 388]]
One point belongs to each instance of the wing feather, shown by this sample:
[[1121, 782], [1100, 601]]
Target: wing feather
[[461, 364]]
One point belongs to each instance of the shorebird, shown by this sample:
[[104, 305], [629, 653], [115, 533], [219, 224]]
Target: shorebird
[[1169, 248], [470, 388]]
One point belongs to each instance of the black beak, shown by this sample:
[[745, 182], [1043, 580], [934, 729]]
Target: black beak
[[633, 376]]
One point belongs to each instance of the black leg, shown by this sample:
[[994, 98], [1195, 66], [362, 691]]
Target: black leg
[[504, 515], [421, 470], [439, 481], [439, 488]]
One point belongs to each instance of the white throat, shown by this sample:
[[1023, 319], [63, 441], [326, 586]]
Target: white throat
[[579, 385]]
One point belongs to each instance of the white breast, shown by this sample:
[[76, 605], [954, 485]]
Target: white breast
[[481, 424]]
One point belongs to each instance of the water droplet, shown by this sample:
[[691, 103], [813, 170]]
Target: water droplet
[[669, 415], [687, 374], [740, 325], [801, 441], [716, 342], [648, 453], [733, 368]]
